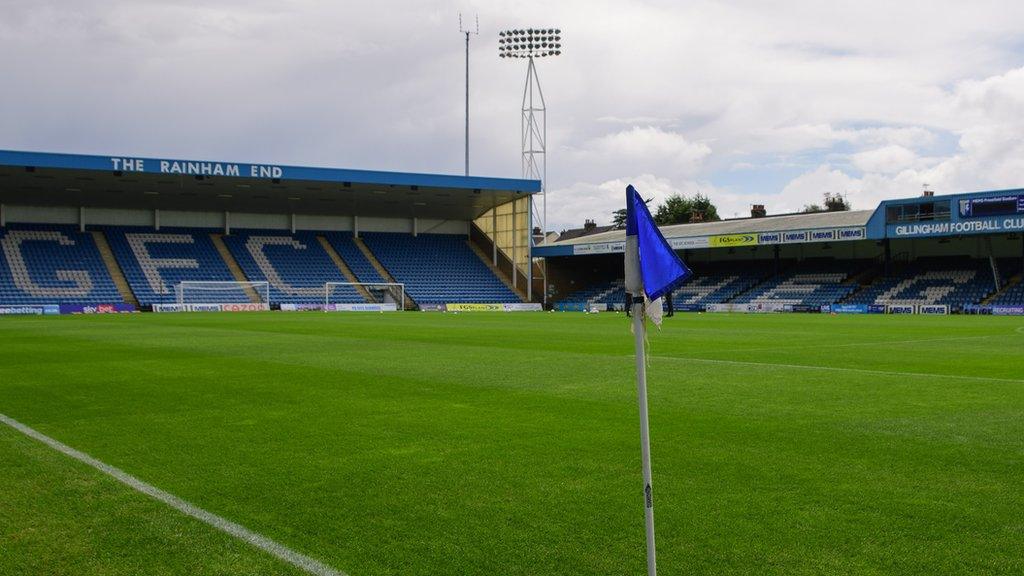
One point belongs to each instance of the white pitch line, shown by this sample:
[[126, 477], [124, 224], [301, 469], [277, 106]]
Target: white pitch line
[[875, 343], [840, 369], [296, 559]]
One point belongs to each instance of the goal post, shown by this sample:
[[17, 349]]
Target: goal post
[[365, 292], [222, 292]]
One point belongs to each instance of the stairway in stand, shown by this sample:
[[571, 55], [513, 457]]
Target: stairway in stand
[[343, 267], [232, 264], [114, 269], [498, 273], [410, 304]]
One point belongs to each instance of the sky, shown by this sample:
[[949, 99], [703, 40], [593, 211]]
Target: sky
[[748, 102]]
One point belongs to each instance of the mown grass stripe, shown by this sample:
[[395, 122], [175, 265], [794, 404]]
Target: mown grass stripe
[[272, 547]]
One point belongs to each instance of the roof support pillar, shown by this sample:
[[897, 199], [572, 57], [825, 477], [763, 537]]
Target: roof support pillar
[[156, 219], [3, 216], [494, 235], [415, 227], [227, 223], [515, 275], [355, 226], [529, 249], [81, 218], [293, 223]]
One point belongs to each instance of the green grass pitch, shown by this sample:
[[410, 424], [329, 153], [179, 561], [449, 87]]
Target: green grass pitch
[[419, 444]]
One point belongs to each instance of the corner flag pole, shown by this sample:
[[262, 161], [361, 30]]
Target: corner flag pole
[[639, 335], [652, 269]]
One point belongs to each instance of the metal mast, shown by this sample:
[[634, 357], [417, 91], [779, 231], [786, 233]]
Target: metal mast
[[531, 44], [467, 32]]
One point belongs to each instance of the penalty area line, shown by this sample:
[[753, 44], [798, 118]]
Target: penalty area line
[[240, 532]]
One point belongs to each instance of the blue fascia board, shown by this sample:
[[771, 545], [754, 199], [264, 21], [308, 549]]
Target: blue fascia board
[[164, 166]]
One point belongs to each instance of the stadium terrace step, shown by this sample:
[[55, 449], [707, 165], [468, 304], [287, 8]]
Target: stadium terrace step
[[343, 266], [497, 271], [232, 264], [114, 269], [409, 303]]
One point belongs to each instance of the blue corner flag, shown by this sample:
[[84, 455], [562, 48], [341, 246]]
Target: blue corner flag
[[660, 269]]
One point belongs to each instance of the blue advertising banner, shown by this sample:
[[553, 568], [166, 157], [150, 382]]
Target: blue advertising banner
[[849, 309], [96, 309], [30, 310]]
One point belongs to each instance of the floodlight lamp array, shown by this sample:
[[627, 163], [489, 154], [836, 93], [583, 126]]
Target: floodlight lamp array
[[530, 43]]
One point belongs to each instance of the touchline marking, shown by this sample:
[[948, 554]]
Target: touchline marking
[[876, 343], [840, 369], [301, 561]]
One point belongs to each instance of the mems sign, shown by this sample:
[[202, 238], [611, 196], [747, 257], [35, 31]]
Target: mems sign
[[192, 168]]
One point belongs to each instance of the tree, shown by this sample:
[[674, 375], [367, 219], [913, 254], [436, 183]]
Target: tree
[[833, 203], [679, 209], [619, 218]]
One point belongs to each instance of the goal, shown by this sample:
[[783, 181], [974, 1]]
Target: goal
[[364, 292], [195, 292]]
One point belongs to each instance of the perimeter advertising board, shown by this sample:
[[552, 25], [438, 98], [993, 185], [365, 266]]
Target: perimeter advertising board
[[494, 307], [43, 310], [241, 307]]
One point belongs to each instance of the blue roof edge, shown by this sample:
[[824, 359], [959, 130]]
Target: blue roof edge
[[174, 166]]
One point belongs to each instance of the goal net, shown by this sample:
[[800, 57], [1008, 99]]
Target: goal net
[[340, 294], [198, 293]]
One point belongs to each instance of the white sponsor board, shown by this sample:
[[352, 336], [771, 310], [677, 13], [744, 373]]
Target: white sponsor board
[[599, 248], [727, 308], [822, 235], [240, 307], [695, 242], [597, 307], [852, 233], [900, 309], [933, 309], [765, 307], [385, 307], [794, 237], [523, 307]]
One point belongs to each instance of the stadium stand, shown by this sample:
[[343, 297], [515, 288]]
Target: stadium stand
[[154, 262], [945, 281], [53, 264], [808, 283], [296, 266], [715, 283], [343, 244], [1013, 294], [712, 283], [608, 292], [437, 268]]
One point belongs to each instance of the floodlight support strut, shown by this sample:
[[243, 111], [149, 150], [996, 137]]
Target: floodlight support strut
[[534, 142]]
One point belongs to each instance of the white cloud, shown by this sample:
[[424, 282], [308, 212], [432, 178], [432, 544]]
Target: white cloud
[[886, 160], [710, 93], [645, 148]]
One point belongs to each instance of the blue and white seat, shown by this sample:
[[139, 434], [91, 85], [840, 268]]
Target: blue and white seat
[[437, 268], [52, 264]]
